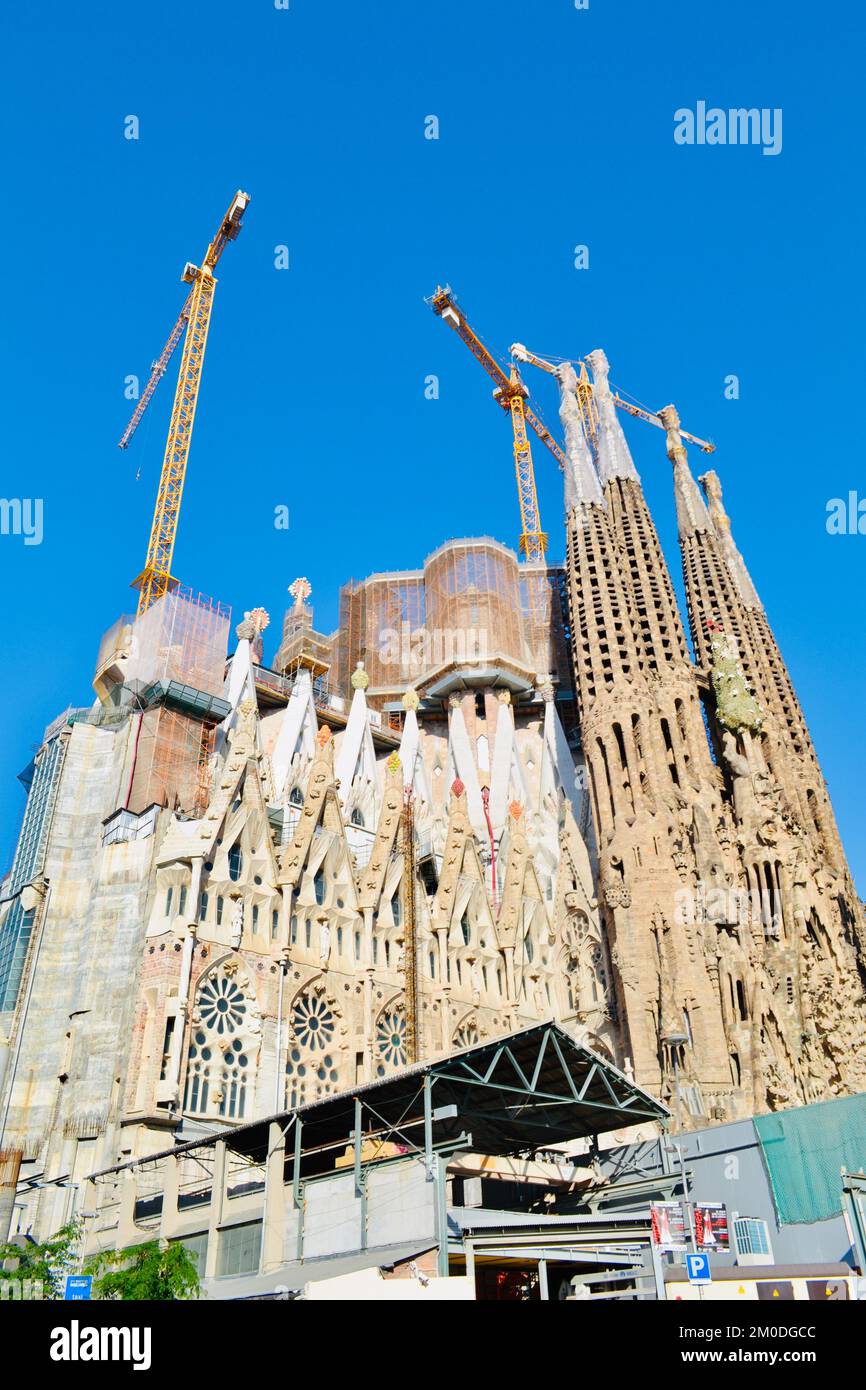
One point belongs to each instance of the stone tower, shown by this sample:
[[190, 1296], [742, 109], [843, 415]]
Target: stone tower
[[730, 914], [808, 952]]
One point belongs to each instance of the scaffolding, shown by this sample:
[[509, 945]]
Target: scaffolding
[[176, 667], [471, 604], [301, 644], [167, 762], [183, 637], [474, 603], [545, 615], [393, 631]]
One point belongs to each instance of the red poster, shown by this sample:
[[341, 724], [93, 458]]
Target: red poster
[[711, 1226]]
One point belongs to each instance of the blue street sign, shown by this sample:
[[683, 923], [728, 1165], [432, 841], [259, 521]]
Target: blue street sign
[[698, 1267], [78, 1287]]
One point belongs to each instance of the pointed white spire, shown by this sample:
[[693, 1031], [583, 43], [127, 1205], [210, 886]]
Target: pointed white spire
[[462, 756], [503, 759], [297, 735], [558, 756], [240, 680], [355, 764], [411, 761], [614, 458], [581, 480], [239, 686]]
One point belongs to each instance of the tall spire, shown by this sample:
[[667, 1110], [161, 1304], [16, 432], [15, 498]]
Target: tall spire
[[614, 458], [721, 522], [692, 514], [581, 480]]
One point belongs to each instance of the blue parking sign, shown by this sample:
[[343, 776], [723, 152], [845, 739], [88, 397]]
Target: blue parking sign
[[698, 1267], [79, 1287]]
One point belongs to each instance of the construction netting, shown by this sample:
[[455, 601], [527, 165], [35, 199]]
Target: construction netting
[[805, 1151], [170, 762], [474, 601], [183, 636], [349, 638], [545, 607], [471, 602], [385, 628], [301, 644]]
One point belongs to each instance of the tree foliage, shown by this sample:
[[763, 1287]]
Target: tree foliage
[[49, 1263], [154, 1271]]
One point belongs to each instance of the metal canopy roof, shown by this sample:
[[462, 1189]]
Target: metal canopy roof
[[524, 1091]]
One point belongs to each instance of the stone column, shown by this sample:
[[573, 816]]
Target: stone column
[[215, 1214], [170, 1185], [126, 1230], [10, 1164], [273, 1228]]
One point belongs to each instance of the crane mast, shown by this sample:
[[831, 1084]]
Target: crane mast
[[156, 578], [511, 394]]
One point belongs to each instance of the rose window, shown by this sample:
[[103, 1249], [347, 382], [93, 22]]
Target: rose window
[[314, 1023], [222, 1005], [391, 1040], [466, 1035], [222, 1050]]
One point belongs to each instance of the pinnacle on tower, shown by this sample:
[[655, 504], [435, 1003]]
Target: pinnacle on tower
[[614, 456], [581, 479]]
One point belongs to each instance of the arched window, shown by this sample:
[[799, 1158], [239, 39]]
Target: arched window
[[396, 909], [198, 1073], [236, 862], [311, 1070], [314, 1023], [741, 1001], [319, 887], [466, 929], [467, 1034], [357, 817], [391, 1041], [222, 1048], [296, 797]]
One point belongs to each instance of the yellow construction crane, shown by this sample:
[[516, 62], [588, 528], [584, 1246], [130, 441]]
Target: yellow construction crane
[[586, 399], [512, 396], [156, 578]]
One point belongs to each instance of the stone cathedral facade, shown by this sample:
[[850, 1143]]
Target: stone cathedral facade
[[241, 888], [734, 929]]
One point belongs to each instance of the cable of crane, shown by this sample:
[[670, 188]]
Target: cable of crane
[[627, 395], [554, 357]]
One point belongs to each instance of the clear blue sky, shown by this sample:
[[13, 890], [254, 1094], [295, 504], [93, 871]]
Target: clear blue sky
[[556, 128]]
